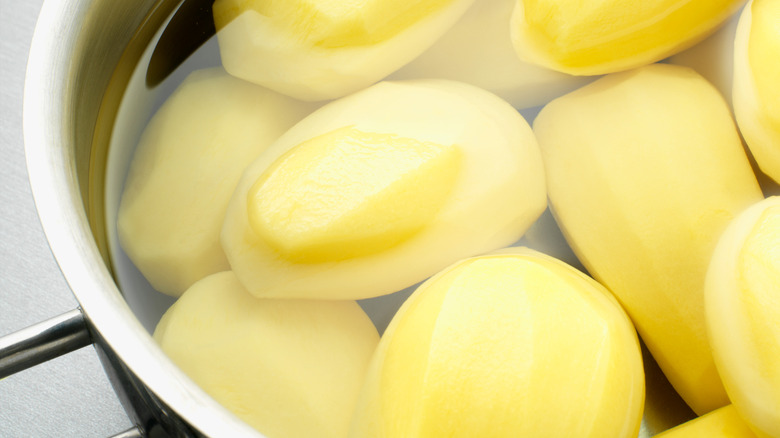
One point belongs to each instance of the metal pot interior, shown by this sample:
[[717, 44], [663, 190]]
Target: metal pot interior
[[81, 60]]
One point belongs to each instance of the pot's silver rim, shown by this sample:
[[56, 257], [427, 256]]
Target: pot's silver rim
[[55, 188]]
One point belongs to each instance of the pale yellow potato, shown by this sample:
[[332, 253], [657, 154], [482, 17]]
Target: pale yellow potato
[[325, 49], [513, 344], [382, 189], [743, 314], [645, 169], [757, 83], [723, 422], [185, 168], [478, 50], [289, 368], [586, 37]]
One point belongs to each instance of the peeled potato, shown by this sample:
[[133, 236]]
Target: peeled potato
[[723, 422], [514, 344], [478, 50], [289, 368], [756, 83], [645, 169], [185, 168], [318, 49], [743, 314], [585, 37], [381, 189]]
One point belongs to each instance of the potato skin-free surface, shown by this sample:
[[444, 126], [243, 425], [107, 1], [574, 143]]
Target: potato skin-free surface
[[743, 314], [645, 169], [756, 85], [289, 368], [586, 37], [496, 194], [317, 50], [510, 344]]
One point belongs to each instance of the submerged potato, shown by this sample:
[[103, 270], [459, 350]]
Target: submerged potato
[[379, 190], [289, 368], [645, 169], [757, 83], [743, 314], [185, 168], [319, 49], [586, 37], [478, 50], [514, 344]]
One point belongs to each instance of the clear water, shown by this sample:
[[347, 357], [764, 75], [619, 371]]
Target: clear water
[[140, 102]]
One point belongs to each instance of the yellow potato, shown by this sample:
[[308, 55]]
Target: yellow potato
[[324, 49], [756, 84], [645, 169], [381, 189], [185, 168], [586, 37], [513, 344], [723, 422], [290, 369], [743, 314]]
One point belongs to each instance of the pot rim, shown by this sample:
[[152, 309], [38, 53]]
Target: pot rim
[[48, 119]]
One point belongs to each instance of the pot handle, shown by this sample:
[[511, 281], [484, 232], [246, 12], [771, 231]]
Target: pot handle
[[47, 340], [43, 341]]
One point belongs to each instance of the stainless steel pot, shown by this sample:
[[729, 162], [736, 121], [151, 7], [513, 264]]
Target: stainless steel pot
[[81, 60], [81, 57]]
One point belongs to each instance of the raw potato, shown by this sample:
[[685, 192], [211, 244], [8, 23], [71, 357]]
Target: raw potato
[[645, 169], [324, 49], [289, 368], [743, 314], [723, 422], [514, 344], [382, 189], [756, 83], [585, 37], [185, 168], [478, 50]]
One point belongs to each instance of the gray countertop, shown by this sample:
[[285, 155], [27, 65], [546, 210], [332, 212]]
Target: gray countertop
[[69, 396]]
